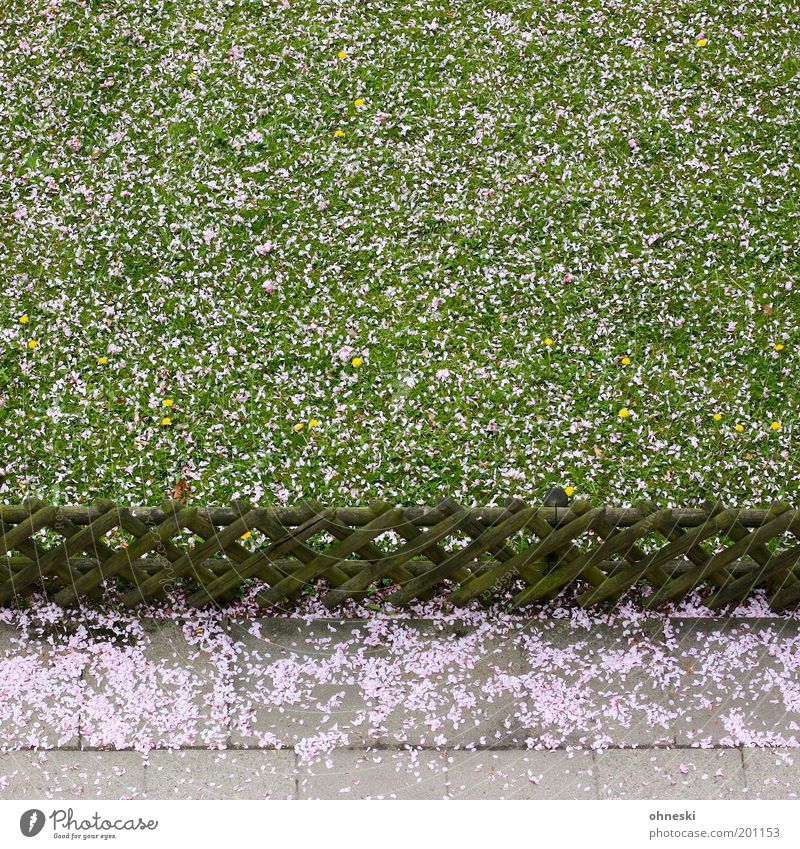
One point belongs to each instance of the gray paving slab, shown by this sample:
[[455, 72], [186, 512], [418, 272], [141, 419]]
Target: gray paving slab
[[460, 692], [41, 693], [548, 684], [161, 691], [776, 625], [670, 774], [594, 686], [71, 775], [772, 773], [737, 691], [367, 683], [208, 774], [294, 680], [375, 774], [513, 774]]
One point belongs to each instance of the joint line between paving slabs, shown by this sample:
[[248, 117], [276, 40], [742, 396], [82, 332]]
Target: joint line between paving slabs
[[745, 776]]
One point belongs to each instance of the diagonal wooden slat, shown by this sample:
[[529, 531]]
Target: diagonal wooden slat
[[192, 562], [370, 552], [382, 564], [458, 559], [83, 540], [353, 542], [551, 540], [776, 521], [35, 522], [650, 567], [611, 587], [283, 542], [631, 554], [688, 544], [151, 540], [767, 566], [612, 544], [443, 564]]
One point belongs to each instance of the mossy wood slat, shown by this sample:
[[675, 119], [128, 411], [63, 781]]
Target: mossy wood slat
[[687, 517]]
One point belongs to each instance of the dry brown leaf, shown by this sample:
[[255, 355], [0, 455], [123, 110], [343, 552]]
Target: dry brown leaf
[[181, 491]]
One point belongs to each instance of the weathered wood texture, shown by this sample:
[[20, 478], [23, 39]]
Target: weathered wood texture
[[518, 554]]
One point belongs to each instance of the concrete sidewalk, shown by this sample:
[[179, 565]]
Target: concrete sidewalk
[[283, 708], [387, 774]]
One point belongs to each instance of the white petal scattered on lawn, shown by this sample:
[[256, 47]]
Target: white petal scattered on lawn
[[461, 237]]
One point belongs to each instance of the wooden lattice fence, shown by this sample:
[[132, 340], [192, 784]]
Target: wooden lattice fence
[[519, 553]]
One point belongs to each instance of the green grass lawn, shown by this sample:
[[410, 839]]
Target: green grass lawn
[[409, 249]]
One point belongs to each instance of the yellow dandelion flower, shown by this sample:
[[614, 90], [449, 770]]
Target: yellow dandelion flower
[[701, 42], [298, 427], [357, 362], [102, 361], [739, 428], [359, 101], [338, 134], [717, 417], [342, 54], [313, 423], [780, 346], [168, 402], [166, 421], [624, 413], [549, 342], [32, 343], [570, 491], [23, 319], [626, 361], [775, 426], [246, 535]]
